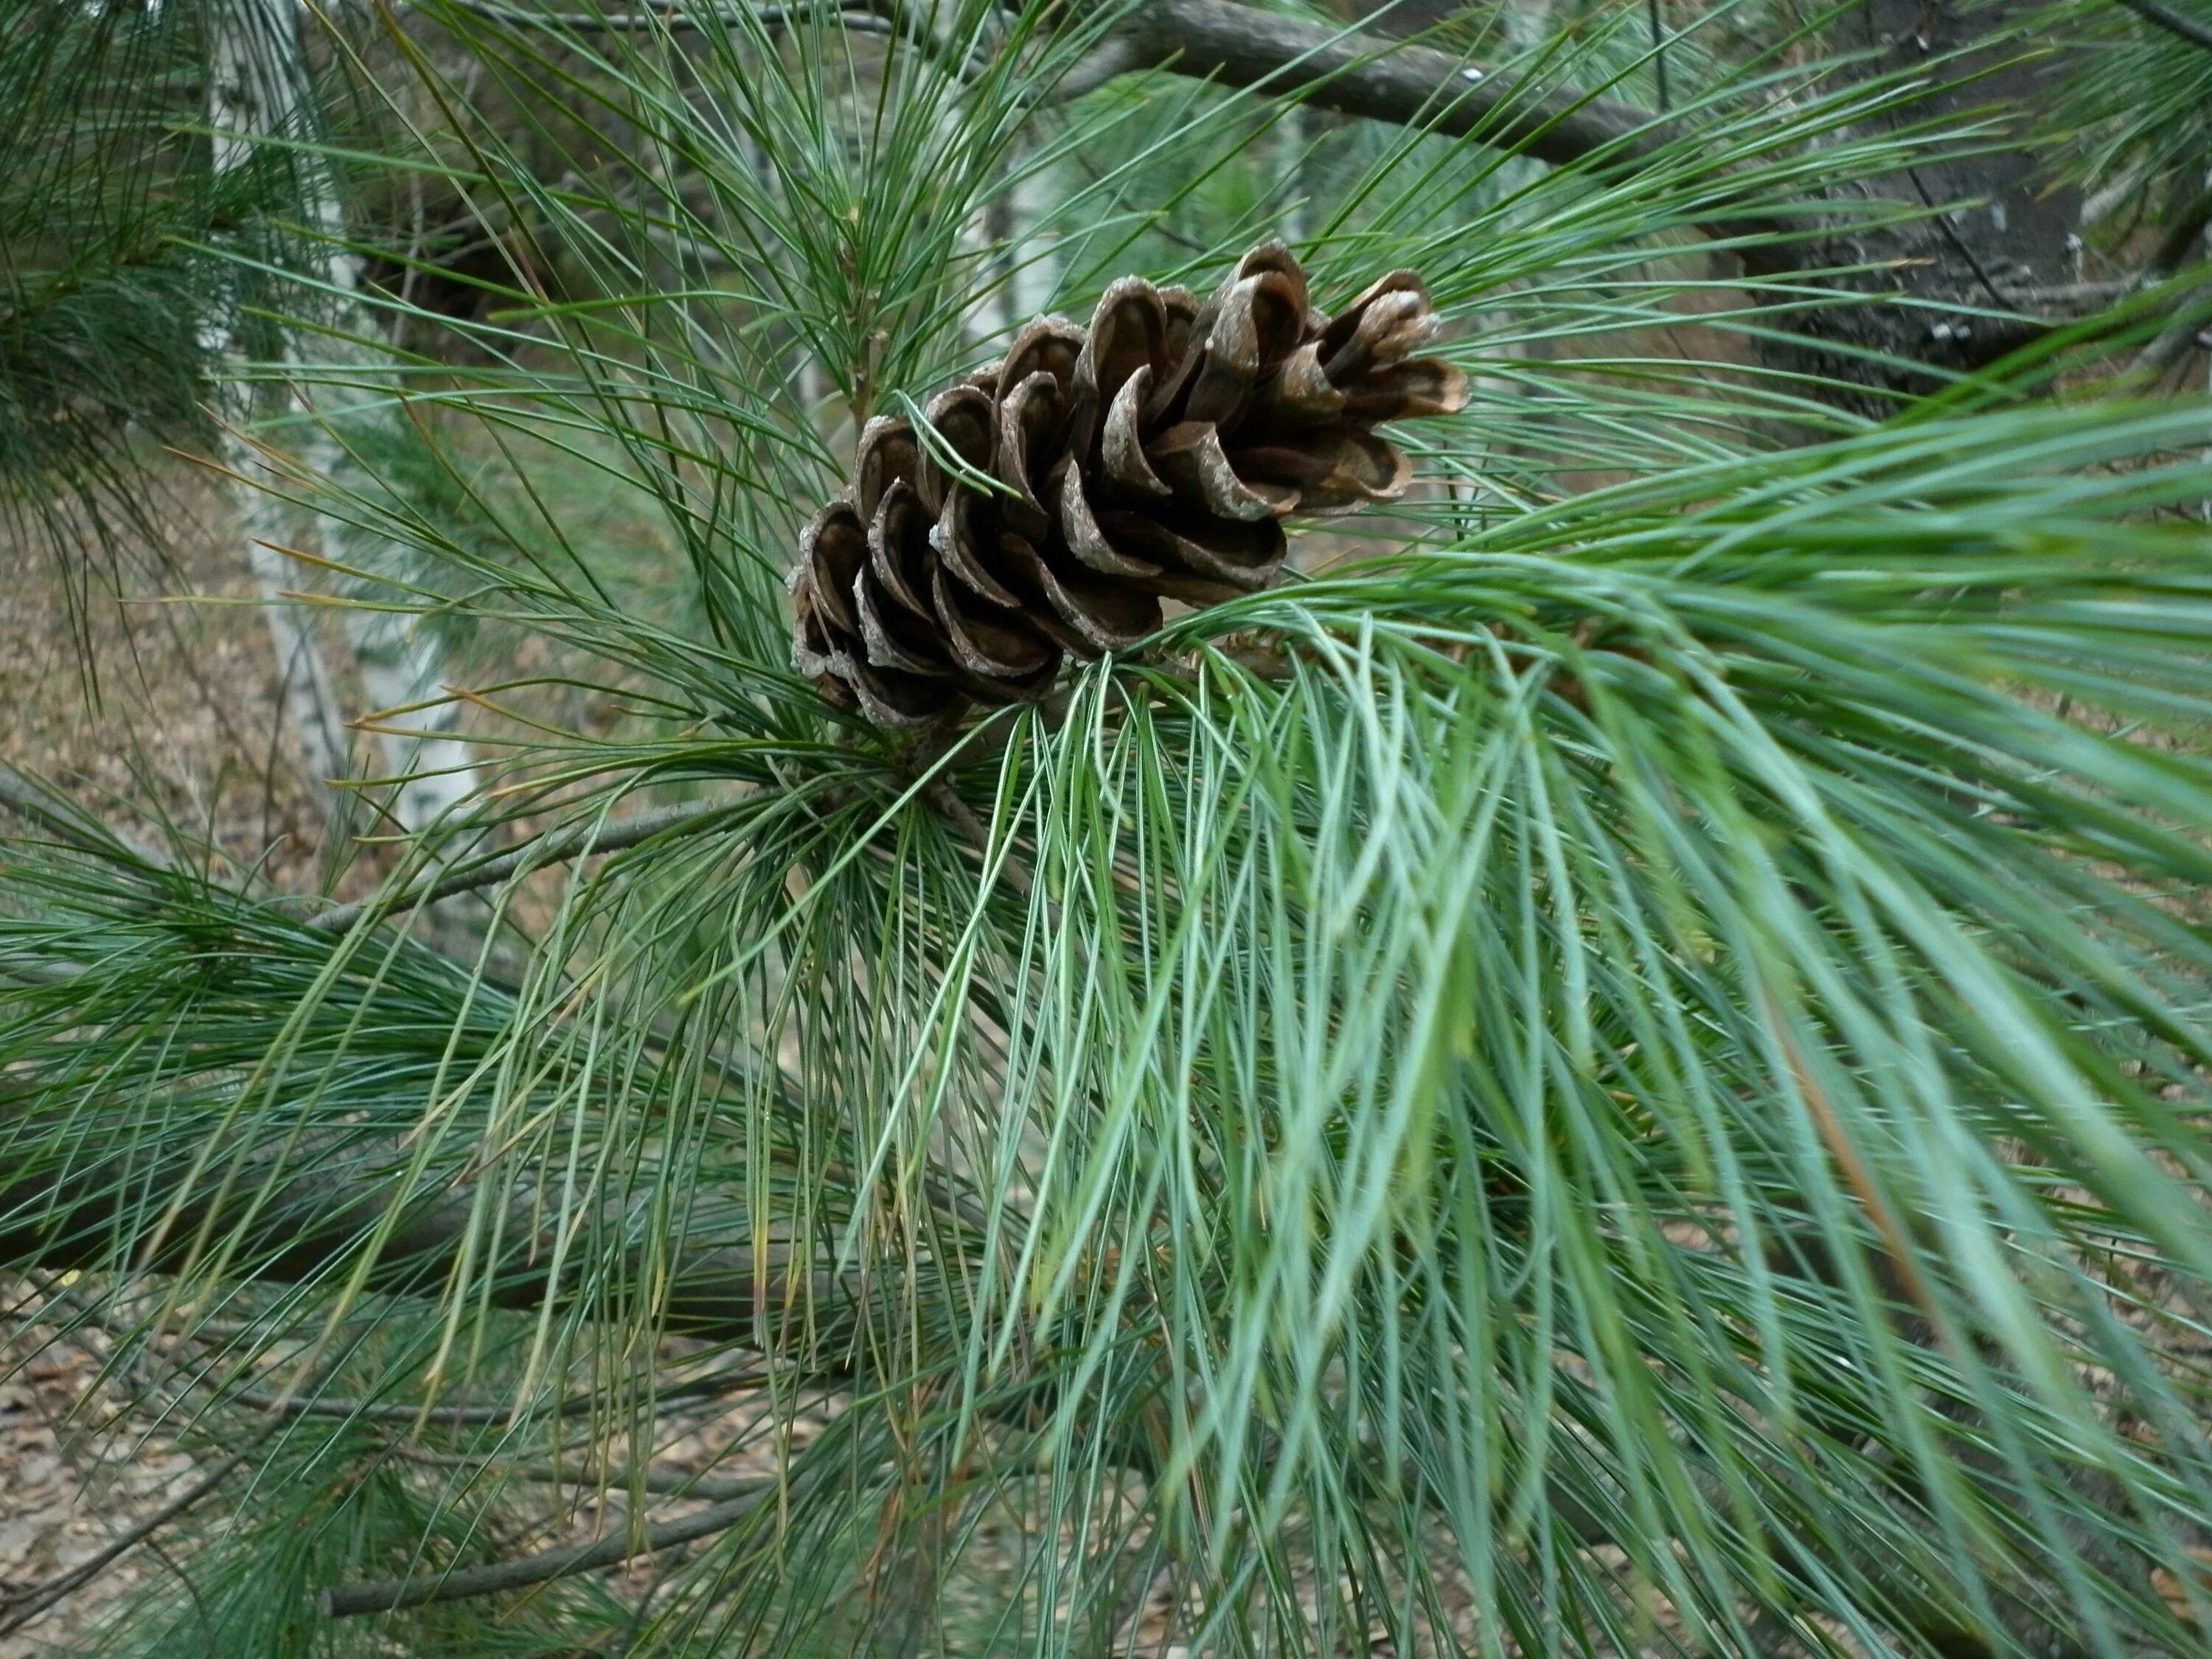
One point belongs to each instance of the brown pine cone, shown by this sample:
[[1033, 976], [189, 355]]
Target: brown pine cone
[[1058, 499]]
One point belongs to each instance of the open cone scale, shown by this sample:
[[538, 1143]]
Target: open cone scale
[[1057, 498]]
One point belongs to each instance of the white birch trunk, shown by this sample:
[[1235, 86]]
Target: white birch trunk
[[1001, 241], [240, 97], [257, 90], [306, 705], [990, 320], [1288, 142], [1035, 280]]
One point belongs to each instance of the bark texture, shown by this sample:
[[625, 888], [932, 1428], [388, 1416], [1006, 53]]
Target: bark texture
[[258, 91], [1998, 241]]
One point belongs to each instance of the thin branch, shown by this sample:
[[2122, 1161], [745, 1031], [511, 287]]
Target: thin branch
[[2178, 338], [24, 1605], [2180, 240], [1112, 56], [289, 1405], [1368, 75], [390, 1595], [855, 17], [293, 1230], [556, 848], [1245, 46], [1385, 80], [387, 1410], [370, 1411], [2173, 22], [878, 17], [940, 794], [1957, 243], [669, 1483], [36, 972]]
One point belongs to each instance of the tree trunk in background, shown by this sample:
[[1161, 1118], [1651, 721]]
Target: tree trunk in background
[[307, 704], [259, 89], [1024, 267], [248, 96], [2007, 250]]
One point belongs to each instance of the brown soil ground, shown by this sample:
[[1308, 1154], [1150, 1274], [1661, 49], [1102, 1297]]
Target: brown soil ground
[[114, 696], [149, 676], [148, 679], [65, 1494]]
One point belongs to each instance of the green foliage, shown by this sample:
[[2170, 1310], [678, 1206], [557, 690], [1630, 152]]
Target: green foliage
[[106, 210], [1620, 1071]]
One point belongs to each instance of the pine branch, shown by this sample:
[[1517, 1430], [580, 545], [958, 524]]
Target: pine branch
[[673, 1483], [1406, 85], [940, 794], [2177, 339], [714, 1387], [2180, 241], [370, 1411], [308, 1224], [878, 17], [390, 1595], [1243, 46], [556, 847]]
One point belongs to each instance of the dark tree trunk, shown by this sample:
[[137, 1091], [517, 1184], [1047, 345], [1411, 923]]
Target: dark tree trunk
[[2007, 244]]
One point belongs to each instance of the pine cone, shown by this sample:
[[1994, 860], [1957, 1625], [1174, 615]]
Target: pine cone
[[1058, 499]]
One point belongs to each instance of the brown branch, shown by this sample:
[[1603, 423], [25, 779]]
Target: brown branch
[[556, 847], [852, 16], [2177, 339], [368, 1411], [1380, 79], [283, 1407], [712, 1386], [1244, 46], [673, 1483], [2164, 16], [878, 17], [940, 794], [2181, 238], [390, 1595], [290, 1229]]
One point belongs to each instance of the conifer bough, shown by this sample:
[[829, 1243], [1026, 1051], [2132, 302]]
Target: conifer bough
[[1051, 503]]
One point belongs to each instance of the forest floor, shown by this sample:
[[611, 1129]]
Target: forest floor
[[154, 681], [118, 699], [120, 691], [66, 1495]]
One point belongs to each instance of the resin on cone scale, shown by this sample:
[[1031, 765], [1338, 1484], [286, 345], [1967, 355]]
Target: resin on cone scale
[[1059, 497]]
